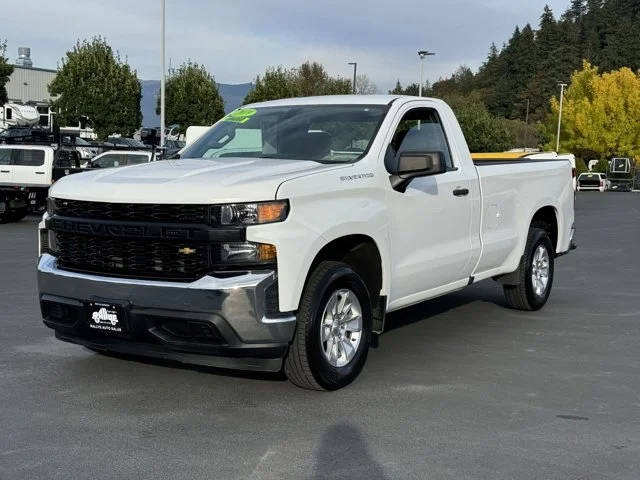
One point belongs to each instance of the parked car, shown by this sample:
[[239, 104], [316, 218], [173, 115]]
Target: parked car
[[289, 229], [593, 181], [86, 150], [121, 158]]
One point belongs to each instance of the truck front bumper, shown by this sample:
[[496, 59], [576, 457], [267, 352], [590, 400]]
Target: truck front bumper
[[226, 321]]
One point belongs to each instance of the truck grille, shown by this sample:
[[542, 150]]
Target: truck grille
[[141, 212], [141, 258]]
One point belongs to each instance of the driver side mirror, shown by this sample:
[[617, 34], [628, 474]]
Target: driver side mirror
[[412, 164]]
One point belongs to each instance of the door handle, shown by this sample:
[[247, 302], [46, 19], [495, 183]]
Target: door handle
[[461, 192], [5, 171], [39, 173]]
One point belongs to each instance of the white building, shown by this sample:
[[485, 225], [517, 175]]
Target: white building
[[30, 85]]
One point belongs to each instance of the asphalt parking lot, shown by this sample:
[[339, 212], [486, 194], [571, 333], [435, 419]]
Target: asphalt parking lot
[[459, 387]]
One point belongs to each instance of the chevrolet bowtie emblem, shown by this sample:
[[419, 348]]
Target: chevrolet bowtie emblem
[[186, 250]]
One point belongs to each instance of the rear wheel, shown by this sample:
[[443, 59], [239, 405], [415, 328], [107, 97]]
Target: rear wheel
[[333, 329], [535, 274], [18, 215], [13, 215]]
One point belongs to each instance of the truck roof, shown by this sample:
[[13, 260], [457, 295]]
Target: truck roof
[[335, 100]]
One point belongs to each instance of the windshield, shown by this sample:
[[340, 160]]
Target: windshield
[[322, 133]]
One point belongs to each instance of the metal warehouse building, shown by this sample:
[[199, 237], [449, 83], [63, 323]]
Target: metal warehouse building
[[29, 85]]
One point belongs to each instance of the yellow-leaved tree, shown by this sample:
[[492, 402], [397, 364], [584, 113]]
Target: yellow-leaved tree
[[600, 115]]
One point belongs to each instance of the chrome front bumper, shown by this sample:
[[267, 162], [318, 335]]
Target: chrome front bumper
[[241, 310]]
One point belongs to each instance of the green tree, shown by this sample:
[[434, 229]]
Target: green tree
[[530, 65], [95, 83], [6, 69], [483, 131], [601, 167], [308, 79], [601, 114], [412, 89], [313, 79], [460, 83], [581, 167], [275, 83], [191, 98]]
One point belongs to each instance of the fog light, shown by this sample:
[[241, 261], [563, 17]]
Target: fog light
[[245, 253]]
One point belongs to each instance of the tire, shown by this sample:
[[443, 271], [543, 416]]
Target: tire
[[525, 295], [18, 215], [307, 365], [13, 216]]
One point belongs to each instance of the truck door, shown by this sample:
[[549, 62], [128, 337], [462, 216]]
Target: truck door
[[6, 168], [431, 221], [29, 167]]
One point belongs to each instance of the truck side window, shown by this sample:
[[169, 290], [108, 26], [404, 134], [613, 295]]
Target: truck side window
[[420, 130], [5, 156], [135, 159], [28, 158], [108, 161]]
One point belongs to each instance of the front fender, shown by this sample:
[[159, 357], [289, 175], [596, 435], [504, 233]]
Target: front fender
[[314, 221]]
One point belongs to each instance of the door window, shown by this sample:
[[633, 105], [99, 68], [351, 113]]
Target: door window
[[108, 161], [28, 158], [420, 130], [5, 156], [134, 159]]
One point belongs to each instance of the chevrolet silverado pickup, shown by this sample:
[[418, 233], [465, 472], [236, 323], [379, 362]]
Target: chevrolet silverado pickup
[[282, 236]]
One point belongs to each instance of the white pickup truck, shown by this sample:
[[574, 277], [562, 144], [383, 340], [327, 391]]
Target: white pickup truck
[[286, 232], [26, 173]]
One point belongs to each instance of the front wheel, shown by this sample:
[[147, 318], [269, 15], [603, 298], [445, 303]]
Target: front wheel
[[333, 330], [535, 273]]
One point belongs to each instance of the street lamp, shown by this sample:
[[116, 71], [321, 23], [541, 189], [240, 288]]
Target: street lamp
[[422, 54], [162, 79], [355, 67], [562, 85]]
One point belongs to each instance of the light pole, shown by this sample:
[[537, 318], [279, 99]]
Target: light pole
[[526, 124], [162, 79], [562, 85], [355, 68], [422, 54]]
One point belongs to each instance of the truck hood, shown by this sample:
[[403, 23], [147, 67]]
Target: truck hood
[[217, 180]]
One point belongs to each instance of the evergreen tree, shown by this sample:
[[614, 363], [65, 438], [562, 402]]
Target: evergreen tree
[[576, 11], [397, 90], [593, 28], [530, 65]]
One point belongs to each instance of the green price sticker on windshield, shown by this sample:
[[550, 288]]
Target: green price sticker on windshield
[[240, 115]]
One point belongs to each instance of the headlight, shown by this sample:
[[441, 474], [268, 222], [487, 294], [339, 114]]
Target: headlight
[[250, 213]]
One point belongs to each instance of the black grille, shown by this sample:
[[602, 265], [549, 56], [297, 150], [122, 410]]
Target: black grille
[[141, 258], [142, 212]]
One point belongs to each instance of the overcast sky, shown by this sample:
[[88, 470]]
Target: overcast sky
[[238, 39]]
